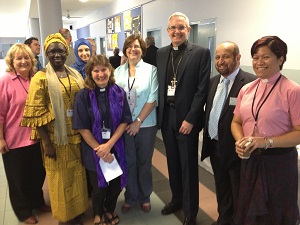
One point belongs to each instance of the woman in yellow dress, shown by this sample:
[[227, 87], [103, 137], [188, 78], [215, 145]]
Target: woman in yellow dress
[[49, 109]]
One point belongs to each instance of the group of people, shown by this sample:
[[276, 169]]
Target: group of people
[[69, 122], [250, 133]]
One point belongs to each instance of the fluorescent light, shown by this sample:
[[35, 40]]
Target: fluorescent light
[[83, 0]]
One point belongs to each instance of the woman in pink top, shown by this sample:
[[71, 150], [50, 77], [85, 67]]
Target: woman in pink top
[[21, 156], [266, 123]]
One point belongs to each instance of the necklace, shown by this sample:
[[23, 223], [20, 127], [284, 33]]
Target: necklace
[[130, 86], [70, 87], [18, 76], [61, 74], [174, 81]]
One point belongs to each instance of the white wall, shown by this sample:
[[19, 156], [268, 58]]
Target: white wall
[[13, 22], [240, 21], [98, 30]]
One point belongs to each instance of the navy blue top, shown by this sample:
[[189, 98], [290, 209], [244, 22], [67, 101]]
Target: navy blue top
[[83, 118]]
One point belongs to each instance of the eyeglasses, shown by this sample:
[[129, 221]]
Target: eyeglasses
[[59, 52], [134, 46], [174, 28]]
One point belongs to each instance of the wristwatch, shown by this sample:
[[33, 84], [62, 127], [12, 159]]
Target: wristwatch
[[138, 119]]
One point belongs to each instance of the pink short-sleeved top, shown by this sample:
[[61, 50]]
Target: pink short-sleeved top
[[278, 114], [13, 96]]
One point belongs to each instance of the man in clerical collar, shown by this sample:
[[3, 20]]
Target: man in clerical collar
[[183, 74], [34, 45]]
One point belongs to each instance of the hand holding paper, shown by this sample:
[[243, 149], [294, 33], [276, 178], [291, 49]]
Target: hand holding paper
[[110, 170]]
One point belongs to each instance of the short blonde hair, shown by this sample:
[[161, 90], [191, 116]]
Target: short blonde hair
[[23, 49]]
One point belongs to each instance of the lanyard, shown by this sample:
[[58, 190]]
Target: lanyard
[[175, 71], [22, 83], [259, 107], [130, 87], [70, 86]]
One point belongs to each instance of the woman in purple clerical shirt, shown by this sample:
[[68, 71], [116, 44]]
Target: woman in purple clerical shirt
[[101, 115]]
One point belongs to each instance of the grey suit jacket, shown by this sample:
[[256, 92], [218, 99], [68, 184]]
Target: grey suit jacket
[[226, 140], [192, 84]]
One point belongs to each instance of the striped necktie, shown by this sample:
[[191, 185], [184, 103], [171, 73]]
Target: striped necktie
[[216, 111]]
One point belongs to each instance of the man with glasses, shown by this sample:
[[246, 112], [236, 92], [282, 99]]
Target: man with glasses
[[34, 45], [183, 75]]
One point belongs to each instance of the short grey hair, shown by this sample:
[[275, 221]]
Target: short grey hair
[[180, 14], [150, 40], [65, 33]]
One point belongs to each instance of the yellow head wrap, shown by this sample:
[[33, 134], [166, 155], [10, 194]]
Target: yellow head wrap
[[56, 38]]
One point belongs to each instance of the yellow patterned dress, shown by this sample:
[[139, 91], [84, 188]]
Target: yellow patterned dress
[[66, 175]]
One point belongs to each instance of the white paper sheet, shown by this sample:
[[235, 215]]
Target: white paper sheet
[[110, 170]]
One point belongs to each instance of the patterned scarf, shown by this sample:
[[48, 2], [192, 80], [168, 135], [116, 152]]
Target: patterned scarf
[[57, 102]]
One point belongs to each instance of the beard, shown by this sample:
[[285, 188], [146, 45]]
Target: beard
[[228, 70]]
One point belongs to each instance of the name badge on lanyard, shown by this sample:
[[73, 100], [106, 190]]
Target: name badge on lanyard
[[171, 91], [105, 132], [69, 112]]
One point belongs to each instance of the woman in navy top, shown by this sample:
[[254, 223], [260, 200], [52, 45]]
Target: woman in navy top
[[101, 115]]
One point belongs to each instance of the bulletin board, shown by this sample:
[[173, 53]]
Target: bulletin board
[[120, 26]]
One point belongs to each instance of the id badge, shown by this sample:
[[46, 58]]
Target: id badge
[[232, 101], [171, 91], [69, 112], [105, 133]]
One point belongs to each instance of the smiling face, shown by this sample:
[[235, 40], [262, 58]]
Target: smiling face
[[225, 61], [84, 53], [22, 64], [57, 54], [134, 51], [265, 63], [101, 74], [178, 30]]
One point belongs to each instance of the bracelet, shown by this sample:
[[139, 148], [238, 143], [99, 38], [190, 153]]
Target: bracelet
[[138, 119], [267, 144], [271, 142]]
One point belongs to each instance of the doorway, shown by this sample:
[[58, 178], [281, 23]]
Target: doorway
[[204, 33], [156, 33], [102, 46]]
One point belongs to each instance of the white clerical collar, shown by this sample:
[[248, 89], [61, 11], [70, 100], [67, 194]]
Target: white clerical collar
[[265, 80], [102, 89], [175, 48]]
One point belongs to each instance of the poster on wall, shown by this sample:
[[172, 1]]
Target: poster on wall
[[114, 40], [110, 26], [122, 25], [127, 34], [136, 25], [109, 41], [117, 20], [127, 20]]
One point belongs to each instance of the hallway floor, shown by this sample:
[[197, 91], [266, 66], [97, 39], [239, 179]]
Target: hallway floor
[[161, 195]]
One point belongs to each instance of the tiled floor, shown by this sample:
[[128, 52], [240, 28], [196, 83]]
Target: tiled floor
[[207, 208]]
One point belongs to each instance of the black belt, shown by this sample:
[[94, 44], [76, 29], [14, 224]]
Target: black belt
[[272, 151]]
